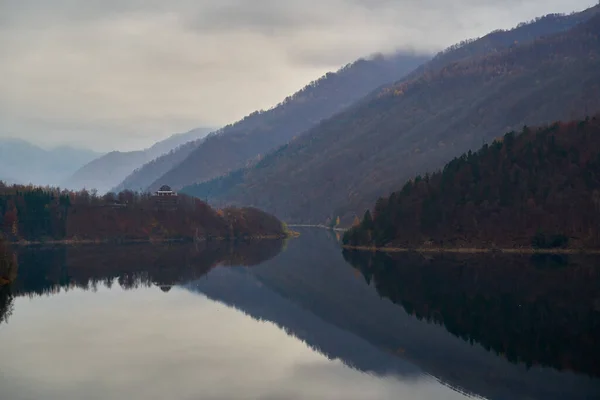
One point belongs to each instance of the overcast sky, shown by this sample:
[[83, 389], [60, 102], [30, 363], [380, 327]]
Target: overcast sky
[[121, 74]]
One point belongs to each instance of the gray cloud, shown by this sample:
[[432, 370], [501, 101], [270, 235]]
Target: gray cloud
[[124, 73]]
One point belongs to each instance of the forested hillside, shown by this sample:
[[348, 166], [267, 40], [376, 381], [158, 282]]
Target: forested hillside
[[540, 188], [105, 172], [499, 40], [340, 167], [46, 214], [237, 144]]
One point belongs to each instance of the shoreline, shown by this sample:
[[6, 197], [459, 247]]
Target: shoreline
[[25, 243], [472, 250]]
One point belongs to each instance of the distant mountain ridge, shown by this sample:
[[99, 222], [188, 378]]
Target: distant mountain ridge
[[499, 40], [340, 167], [105, 172], [236, 145], [23, 162]]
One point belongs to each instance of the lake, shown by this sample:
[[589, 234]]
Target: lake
[[297, 320]]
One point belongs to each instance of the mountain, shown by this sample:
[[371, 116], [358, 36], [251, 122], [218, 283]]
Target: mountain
[[23, 162], [341, 166], [107, 171], [498, 40], [540, 188], [237, 144]]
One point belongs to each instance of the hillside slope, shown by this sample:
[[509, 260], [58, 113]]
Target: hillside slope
[[237, 144], [343, 165], [540, 188], [105, 172], [141, 178]]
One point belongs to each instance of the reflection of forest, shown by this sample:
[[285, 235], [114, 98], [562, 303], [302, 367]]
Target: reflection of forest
[[45, 270], [6, 303], [537, 310], [8, 272], [134, 264]]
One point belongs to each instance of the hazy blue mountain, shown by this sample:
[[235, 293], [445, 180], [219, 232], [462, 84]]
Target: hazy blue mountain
[[23, 162], [107, 171]]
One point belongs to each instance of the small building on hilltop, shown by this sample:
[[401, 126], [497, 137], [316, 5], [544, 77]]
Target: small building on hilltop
[[165, 191], [165, 198]]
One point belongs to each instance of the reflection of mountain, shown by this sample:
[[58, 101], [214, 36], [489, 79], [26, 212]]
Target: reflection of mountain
[[239, 288], [314, 279], [542, 311], [46, 270]]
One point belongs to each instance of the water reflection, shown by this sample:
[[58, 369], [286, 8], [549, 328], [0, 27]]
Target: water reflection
[[537, 310], [46, 270], [312, 275], [6, 303], [141, 344], [297, 324], [95, 327]]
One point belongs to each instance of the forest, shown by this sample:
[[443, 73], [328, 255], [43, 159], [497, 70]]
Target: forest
[[536, 310], [539, 188], [34, 214]]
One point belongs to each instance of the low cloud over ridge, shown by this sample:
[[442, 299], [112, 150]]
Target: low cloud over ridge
[[120, 74]]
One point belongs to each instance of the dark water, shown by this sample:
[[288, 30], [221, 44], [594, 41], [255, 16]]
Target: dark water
[[260, 321]]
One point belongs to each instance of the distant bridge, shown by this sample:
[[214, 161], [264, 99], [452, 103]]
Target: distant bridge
[[317, 226]]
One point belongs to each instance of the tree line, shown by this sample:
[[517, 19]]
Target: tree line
[[35, 213]]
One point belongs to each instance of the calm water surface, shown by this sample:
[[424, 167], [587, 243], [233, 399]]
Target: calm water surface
[[260, 321]]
